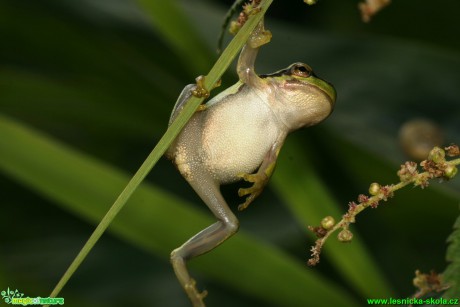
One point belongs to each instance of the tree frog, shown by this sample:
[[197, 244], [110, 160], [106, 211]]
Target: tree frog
[[239, 131]]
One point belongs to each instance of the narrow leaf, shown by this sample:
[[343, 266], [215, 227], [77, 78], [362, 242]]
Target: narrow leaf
[[86, 187], [310, 201], [451, 275]]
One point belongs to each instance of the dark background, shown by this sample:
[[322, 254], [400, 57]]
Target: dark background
[[101, 78]]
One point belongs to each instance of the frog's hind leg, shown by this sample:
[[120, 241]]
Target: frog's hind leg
[[206, 239]]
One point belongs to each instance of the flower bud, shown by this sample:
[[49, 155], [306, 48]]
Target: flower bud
[[450, 171], [328, 222], [374, 188], [345, 236], [437, 155]]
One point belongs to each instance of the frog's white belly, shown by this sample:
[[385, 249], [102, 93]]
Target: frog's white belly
[[237, 136]]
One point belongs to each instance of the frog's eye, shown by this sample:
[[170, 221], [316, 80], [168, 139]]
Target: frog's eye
[[301, 70]]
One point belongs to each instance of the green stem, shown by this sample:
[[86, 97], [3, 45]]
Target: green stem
[[350, 216], [214, 75]]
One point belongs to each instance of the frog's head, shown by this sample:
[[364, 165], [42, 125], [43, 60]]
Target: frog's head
[[302, 98]]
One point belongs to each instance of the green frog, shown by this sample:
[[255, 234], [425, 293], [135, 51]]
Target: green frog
[[238, 135]]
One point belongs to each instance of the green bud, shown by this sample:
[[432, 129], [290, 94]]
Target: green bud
[[450, 171], [234, 27], [437, 155], [345, 236], [374, 188], [328, 222]]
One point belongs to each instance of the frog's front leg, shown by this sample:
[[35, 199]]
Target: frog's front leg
[[262, 176], [245, 67], [200, 90], [209, 238], [197, 90]]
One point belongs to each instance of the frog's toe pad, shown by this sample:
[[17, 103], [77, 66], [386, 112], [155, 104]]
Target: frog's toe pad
[[248, 201], [200, 92], [201, 108]]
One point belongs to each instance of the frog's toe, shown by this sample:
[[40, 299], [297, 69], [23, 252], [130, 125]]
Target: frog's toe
[[201, 107], [248, 201], [195, 296], [246, 191], [264, 37], [253, 192], [249, 177], [200, 90]]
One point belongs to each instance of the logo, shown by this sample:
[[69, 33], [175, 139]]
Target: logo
[[17, 298]]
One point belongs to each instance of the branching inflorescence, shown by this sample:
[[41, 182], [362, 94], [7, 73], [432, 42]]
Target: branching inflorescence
[[435, 166]]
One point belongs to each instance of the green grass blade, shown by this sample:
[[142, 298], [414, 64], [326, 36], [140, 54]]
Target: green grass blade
[[214, 75], [172, 24], [451, 275], [85, 187], [310, 201]]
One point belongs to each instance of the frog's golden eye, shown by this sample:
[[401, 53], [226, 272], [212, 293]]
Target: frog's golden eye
[[301, 70]]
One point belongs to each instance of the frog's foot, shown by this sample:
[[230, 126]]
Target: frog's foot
[[199, 90], [201, 107], [259, 180], [195, 296], [259, 36]]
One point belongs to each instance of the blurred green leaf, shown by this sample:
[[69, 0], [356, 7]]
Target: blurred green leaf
[[296, 181], [451, 275], [172, 23], [102, 77], [85, 187], [176, 125]]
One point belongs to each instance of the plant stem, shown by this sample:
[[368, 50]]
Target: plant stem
[[408, 174], [214, 75]]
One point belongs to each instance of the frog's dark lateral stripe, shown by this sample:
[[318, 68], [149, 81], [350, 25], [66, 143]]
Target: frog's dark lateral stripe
[[279, 73], [283, 72]]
